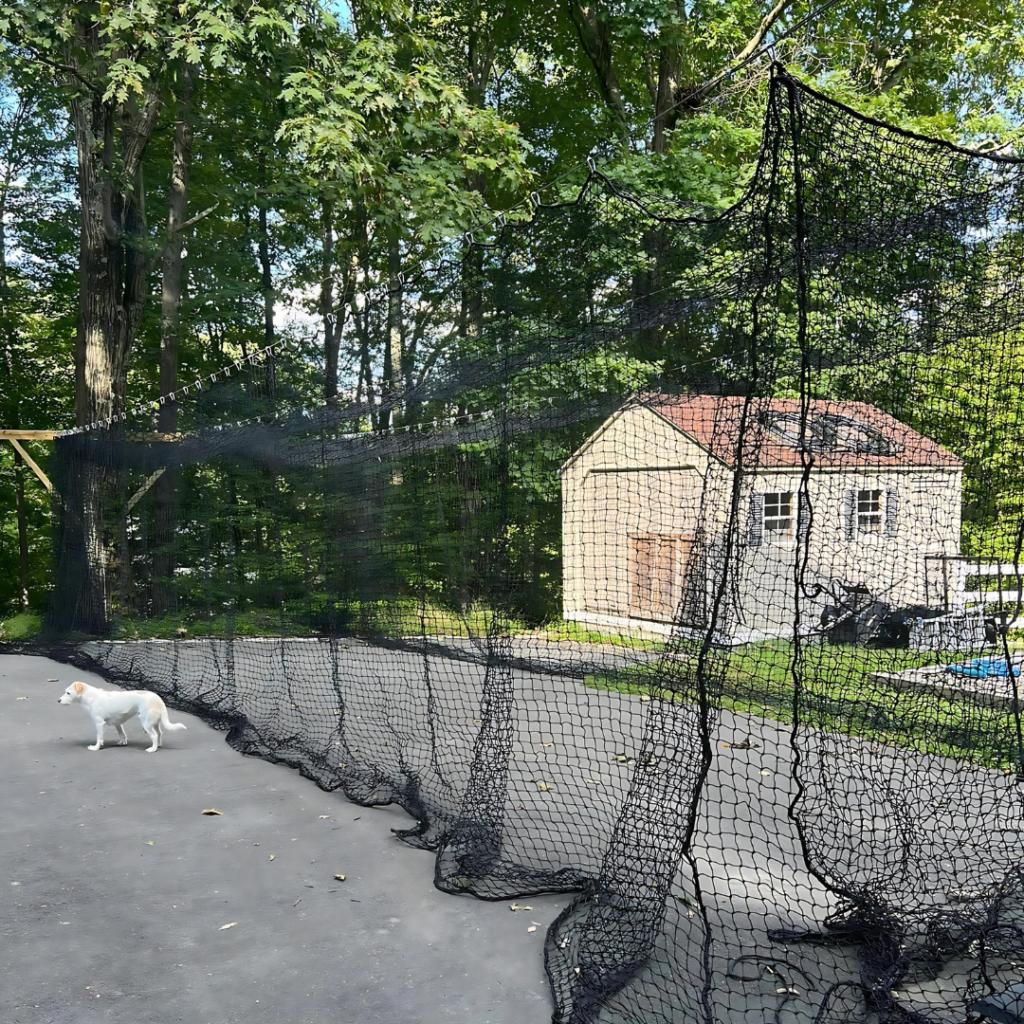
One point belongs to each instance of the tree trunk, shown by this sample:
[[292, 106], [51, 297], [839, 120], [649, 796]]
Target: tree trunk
[[394, 371], [596, 43], [112, 284], [7, 339], [360, 318], [172, 291], [19, 478], [668, 95], [267, 287], [332, 338], [112, 257]]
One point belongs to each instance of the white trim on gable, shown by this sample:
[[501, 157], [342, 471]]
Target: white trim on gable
[[635, 405]]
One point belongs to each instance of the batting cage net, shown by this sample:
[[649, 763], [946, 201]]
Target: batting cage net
[[676, 564]]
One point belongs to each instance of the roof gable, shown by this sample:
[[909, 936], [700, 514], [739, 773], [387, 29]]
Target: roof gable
[[777, 434]]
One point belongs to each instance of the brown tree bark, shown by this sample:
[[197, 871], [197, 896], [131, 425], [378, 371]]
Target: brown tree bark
[[332, 339], [267, 284], [672, 92], [360, 318], [171, 257], [112, 256], [392, 385], [19, 484], [171, 295], [596, 42], [110, 141]]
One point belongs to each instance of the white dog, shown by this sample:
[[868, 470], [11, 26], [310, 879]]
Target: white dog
[[115, 707]]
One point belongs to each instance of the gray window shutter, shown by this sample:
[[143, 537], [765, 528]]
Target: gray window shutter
[[850, 514], [803, 517], [891, 511], [756, 520]]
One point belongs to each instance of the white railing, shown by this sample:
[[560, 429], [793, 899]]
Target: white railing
[[947, 577]]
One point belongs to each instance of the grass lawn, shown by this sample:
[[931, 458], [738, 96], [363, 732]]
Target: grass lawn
[[398, 618], [577, 633], [831, 688]]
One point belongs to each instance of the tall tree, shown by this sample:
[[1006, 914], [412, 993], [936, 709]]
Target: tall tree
[[34, 298], [117, 58], [382, 118]]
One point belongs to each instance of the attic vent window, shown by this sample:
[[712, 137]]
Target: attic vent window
[[829, 432]]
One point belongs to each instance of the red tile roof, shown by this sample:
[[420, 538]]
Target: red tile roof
[[837, 434]]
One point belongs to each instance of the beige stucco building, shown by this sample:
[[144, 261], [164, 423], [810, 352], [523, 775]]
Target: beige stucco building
[[668, 520]]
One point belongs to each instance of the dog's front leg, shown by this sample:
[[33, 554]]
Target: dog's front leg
[[123, 741], [98, 745]]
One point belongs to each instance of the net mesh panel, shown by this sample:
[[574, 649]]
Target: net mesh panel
[[655, 577]]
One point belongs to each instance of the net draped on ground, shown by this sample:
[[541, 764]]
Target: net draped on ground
[[642, 579]]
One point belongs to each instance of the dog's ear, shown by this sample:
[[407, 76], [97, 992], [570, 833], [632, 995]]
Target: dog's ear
[[79, 687]]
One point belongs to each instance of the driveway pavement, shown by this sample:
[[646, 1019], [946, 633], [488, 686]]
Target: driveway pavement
[[116, 890]]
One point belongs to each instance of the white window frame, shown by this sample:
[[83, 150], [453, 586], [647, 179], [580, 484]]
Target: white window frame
[[869, 521], [769, 523]]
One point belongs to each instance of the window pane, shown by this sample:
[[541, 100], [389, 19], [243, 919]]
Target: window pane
[[778, 515], [869, 511], [778, 504], [869, 501]]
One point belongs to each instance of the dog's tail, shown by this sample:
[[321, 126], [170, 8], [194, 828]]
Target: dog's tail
[[166, 723]]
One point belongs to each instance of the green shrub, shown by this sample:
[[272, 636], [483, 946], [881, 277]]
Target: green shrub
[[23, 626]]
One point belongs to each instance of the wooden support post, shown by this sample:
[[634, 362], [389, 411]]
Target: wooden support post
[[27, 435], [137, 496], [29, 461]]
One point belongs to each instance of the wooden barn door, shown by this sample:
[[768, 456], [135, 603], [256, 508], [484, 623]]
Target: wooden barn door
[[657, 567]]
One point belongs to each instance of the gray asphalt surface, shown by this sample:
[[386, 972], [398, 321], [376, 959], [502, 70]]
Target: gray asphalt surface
[[115, 889], [101, 925]]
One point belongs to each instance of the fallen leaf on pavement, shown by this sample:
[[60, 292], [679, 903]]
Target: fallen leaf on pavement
[[340, 878], [518, 906], [213, 810], [224, 927], [273, 855]]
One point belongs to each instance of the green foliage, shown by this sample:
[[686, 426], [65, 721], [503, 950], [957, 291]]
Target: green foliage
[[21, 627], [37, 313], [400, 126]]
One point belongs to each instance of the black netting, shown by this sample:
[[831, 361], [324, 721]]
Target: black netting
[[677, 565]]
